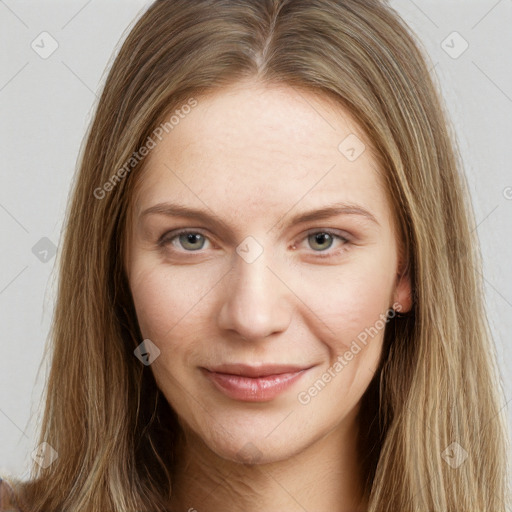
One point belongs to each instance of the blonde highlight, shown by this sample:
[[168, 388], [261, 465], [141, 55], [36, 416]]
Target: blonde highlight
[[362, 56]]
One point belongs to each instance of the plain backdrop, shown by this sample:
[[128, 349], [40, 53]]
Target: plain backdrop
[[47, 101]]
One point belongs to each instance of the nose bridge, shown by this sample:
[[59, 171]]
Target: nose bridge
[[255, 302]]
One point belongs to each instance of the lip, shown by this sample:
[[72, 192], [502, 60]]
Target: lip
[[254, 383], [246, 370]]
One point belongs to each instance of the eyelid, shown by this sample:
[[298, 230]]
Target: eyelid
[[334, 232], [345, 238], [171, 235]]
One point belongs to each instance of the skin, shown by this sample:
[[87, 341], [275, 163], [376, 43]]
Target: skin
[[256, 155]]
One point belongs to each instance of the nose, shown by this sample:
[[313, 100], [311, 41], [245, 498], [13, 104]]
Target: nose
[[256, 303]]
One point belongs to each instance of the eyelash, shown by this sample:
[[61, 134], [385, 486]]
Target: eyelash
[[164, 240]]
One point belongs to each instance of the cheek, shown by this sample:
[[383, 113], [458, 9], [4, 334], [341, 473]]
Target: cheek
[[351, 297], [166, 297], [350, 303], [350, 320]]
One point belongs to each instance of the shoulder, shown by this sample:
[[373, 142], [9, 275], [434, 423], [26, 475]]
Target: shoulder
[[7, 499]]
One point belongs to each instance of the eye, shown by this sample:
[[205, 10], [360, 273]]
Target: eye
[[321, 241], [191, 241]]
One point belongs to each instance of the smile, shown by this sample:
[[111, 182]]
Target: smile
[[253, 388]]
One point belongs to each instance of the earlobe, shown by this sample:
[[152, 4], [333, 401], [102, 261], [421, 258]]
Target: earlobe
[[403, 292]]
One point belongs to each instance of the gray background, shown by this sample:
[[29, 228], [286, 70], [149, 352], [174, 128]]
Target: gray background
[[46, 104]]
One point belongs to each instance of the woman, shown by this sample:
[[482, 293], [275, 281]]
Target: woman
[[269, 294]]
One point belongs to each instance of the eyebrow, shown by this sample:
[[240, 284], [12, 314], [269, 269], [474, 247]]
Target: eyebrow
[[332, 210]]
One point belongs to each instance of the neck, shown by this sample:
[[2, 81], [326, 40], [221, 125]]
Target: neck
[[324, 476]]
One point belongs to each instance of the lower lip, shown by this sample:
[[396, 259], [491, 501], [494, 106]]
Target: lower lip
[[260, 389]]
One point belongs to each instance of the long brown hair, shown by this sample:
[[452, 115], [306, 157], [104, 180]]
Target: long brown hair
[[437, 392]]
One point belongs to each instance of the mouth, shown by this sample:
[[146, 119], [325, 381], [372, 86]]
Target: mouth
[[254, 383]]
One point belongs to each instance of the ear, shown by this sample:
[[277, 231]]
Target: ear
[[403, 290]]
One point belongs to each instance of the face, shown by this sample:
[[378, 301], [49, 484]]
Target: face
[[236, 265]]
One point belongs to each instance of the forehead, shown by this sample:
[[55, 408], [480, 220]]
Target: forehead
[[264, 148]]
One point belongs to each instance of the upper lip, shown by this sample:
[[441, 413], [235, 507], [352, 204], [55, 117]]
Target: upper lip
[[246, 370]]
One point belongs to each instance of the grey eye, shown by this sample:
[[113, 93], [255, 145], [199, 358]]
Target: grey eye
[[321, 239], [196, 241]]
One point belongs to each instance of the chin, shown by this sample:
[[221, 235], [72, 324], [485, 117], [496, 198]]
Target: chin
[[255, 452], [260, 442]]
